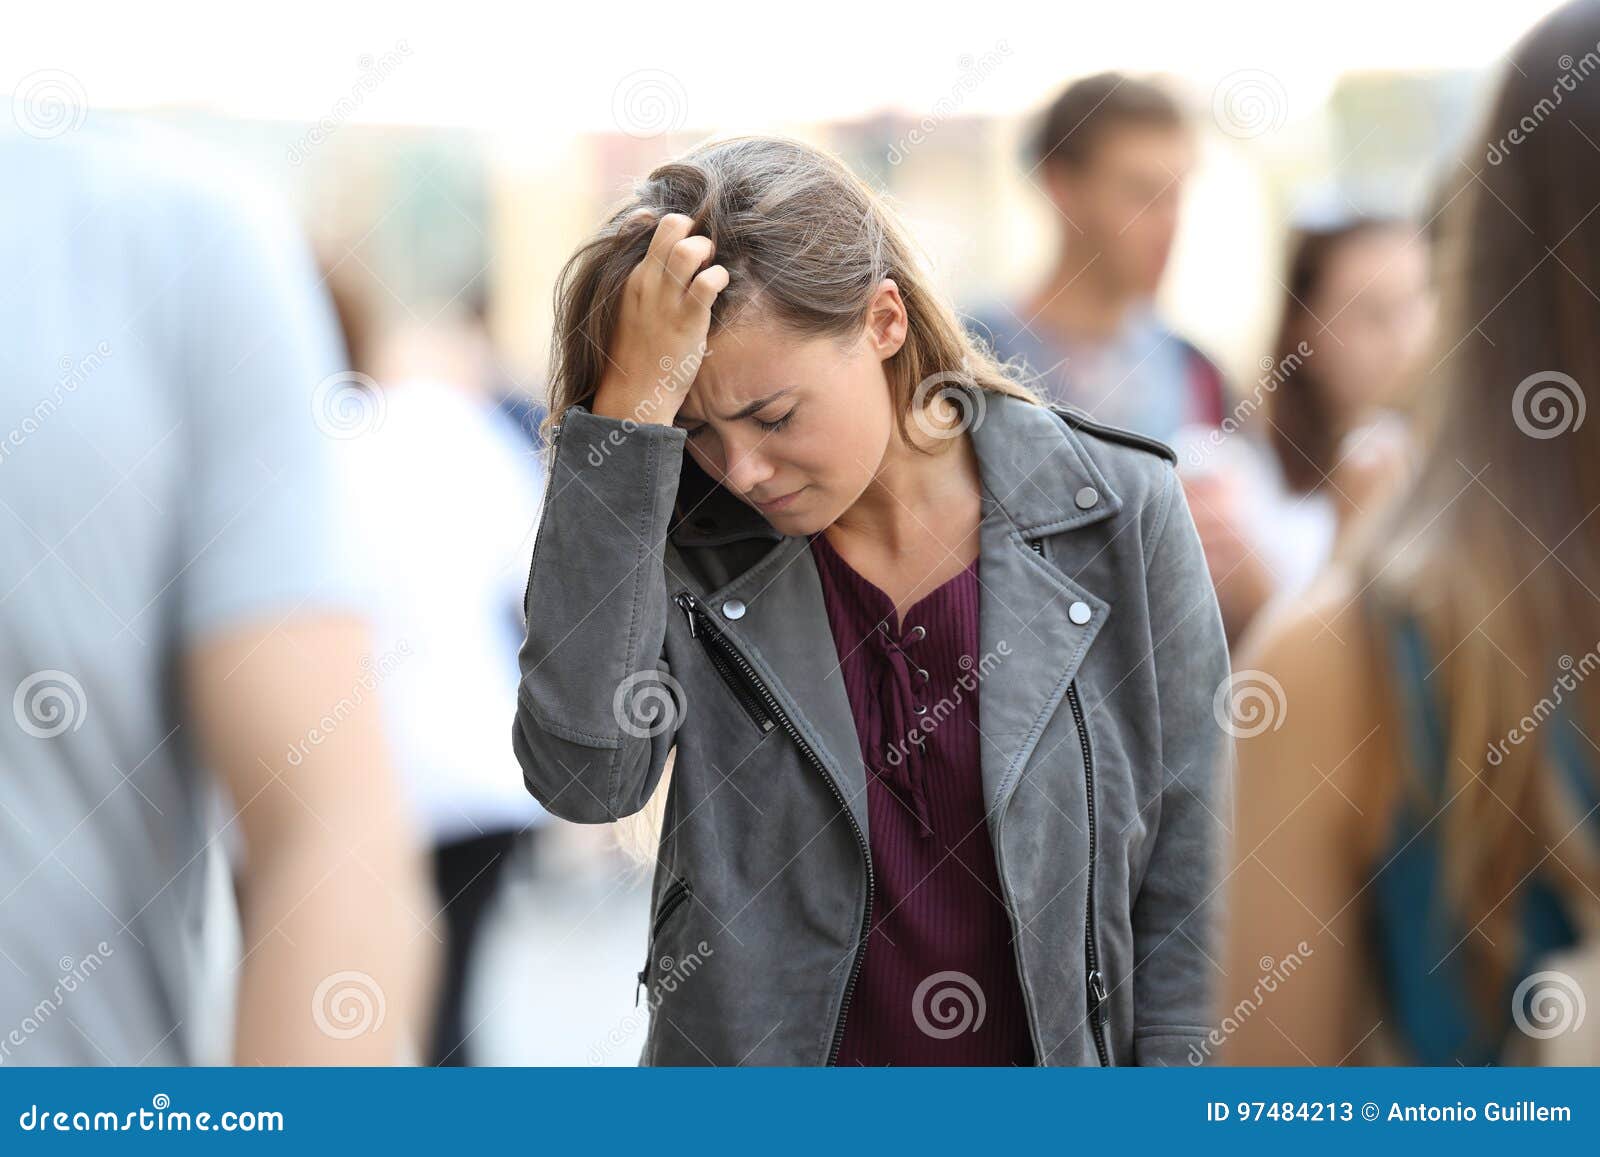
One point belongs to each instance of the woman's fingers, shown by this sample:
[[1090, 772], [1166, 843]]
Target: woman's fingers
[[709, 282], [670, 230], [684, 262]]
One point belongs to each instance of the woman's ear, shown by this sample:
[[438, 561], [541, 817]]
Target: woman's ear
[[886, 320]]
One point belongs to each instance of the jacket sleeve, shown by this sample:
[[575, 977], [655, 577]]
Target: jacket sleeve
[[1178, 913], [597, 707]]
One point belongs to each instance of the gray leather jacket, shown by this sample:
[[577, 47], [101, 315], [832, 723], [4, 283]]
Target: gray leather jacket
[[663, 612]]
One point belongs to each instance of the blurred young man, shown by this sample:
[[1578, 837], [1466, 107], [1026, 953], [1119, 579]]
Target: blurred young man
[[1112, 153], [176, 610]]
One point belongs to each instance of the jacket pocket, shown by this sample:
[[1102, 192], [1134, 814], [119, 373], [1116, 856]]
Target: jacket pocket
[[678, 894]]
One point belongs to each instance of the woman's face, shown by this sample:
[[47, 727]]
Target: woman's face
[[804, 421], [1376, 303]]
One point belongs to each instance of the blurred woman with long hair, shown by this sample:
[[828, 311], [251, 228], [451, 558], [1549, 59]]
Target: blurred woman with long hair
[[1417, 867]]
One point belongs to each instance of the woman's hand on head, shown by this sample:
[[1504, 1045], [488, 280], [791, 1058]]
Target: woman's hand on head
[[661, 331]]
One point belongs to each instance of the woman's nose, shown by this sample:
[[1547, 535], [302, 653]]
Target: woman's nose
[[747, 467]]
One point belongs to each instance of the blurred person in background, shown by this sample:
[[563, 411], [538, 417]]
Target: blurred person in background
[[1418, 853], [176, 609], [1112, 154], [1319, 439], [449, 491]]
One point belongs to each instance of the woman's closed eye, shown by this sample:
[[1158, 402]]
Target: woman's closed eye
[[772, 427]]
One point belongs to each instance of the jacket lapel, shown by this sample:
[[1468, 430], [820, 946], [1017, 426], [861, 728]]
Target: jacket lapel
[[1033, 468]]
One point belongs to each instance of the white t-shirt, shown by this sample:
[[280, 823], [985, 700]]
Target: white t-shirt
[[450, 495]]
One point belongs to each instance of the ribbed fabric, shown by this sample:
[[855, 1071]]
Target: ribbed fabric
[[938, 982]]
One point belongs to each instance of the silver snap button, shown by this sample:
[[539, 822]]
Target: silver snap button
[[1079, 613], [733, 609], [1086, 497], [918, 632]]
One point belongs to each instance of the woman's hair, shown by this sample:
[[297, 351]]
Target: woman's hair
[[1304, 432], [806, 245], [1492, 552]]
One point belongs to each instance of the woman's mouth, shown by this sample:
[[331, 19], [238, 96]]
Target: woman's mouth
[[778, 503]]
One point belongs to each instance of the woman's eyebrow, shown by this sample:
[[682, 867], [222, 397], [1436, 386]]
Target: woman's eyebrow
[[746, 411]]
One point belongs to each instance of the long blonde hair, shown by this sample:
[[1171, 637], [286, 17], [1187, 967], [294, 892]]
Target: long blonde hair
[[806, 244]]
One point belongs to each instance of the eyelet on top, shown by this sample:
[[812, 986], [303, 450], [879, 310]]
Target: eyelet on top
[[918, 632]]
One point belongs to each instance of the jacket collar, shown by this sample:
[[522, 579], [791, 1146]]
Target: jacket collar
[[1031, 462], [1033, 467]]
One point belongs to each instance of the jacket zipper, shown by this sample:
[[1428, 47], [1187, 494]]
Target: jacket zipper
[[1099, 998], [717, 643], [671, 901]]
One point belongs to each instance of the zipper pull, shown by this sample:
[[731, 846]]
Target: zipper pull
[[686, 603], [638, 988], [1098, 998]]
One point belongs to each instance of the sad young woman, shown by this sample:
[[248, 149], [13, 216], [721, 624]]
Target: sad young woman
[[933, 662]]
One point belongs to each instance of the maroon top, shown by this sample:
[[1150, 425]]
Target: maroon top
[[938, 981]]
